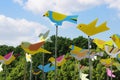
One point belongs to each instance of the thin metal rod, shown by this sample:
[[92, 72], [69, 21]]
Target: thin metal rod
[[5, 72], [43, 67], [111, 69], [75, 70], [56, 52], [31, 69], [90, 67], [107, 77], [35, 77], [79, 69], [25, 69]]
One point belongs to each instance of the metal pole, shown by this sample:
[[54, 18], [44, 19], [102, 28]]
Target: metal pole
[[75, 70], [56, 52], [5, 72], [107, 77], [43, 67], [25, 69], [111, 68], [90, 67], [31, 69], [79, 70]]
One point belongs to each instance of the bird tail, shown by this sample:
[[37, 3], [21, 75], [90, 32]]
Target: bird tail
[[72, 19]]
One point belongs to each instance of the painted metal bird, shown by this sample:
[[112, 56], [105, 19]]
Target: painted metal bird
[[91, 28], [43, 36], [80, 53], [60, 60], [101, 43], [47, 67], [116, 39], [7, 59], [34, 48], [107, 62], [112, 51], [59, 18]]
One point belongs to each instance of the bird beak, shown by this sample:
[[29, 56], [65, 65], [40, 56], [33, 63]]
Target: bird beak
[[43, 15]]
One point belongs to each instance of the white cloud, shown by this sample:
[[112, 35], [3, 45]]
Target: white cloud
[[14, 31], [65, 6], [68, 6], [113, 4]]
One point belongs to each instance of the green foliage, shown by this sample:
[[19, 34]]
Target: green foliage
[[19, 69]]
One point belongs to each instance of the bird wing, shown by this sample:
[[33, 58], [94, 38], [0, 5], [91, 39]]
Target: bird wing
[[93, 23], [8, 56], [47, 67], [36, 46], [58, 16], [60, 58], [46, 34]]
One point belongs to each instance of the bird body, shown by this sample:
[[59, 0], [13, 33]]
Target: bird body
[[80, 53], [33, 48], [116, 39], [101, 43], [112, 51], [47, 67], [73, 47], [7, 59], [60, 60], [91, 28], [107, 62], [59, 18]]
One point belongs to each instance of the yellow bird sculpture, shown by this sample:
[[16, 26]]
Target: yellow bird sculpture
[[59, 18], [91, 28], [116, 39], [60, 60], [107, 62], [7, 59], [101, 43], [34, 48]]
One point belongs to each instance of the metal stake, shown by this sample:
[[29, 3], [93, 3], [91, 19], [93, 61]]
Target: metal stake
[[31, 69], [56, 52], [90, 67], [79, 69], [43, 67]]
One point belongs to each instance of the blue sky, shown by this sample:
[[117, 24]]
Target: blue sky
[[22, 20]]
